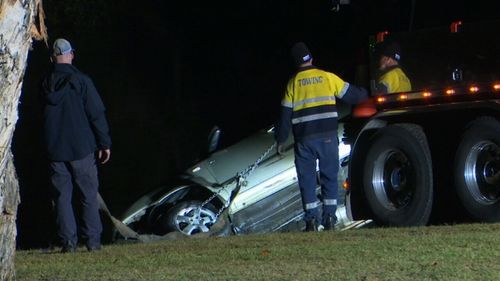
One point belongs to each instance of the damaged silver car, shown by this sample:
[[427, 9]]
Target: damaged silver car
[[244, 188]]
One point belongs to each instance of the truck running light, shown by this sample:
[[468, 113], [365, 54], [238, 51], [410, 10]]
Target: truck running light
[[473, 89], [380, 99], [427, 94], [403, 97], [345, 185], [450, 92], [496, 87]]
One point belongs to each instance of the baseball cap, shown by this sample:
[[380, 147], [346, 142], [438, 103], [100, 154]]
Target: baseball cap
[[300, 53], [61, 47]]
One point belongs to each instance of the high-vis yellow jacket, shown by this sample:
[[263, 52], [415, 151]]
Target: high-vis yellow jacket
[[309, 104], [394, 81]]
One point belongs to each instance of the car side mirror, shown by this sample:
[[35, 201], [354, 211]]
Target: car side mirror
[[213, 139]]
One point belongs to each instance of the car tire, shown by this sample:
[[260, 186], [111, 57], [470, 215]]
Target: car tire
[[397, 176], [188, 218], [477, 170]]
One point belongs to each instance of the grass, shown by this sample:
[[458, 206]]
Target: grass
[[460, 252]]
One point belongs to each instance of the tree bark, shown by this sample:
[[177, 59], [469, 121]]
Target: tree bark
[[17, 29]]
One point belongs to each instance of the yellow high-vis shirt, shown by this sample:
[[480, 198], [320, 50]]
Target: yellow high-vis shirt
[[394, 81], [312, 88], [309, 105]]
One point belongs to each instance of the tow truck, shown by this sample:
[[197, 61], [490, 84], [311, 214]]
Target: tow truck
[[433, 152]]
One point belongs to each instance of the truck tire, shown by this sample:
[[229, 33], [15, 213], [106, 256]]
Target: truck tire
[[397, 176], [477, 170]]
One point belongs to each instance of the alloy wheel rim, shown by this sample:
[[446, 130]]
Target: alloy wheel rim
[[482, 172], [393, 180], [193, 219]]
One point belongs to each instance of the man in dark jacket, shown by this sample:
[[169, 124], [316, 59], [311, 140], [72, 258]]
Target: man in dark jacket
[[76, 131]]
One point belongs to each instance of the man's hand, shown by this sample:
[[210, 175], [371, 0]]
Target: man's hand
[[104, 155], [280, 149]]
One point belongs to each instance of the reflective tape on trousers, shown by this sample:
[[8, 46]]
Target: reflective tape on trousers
[[330, 202], [312, 205]]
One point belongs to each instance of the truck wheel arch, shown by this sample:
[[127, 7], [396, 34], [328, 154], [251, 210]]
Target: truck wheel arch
[[355, 199]]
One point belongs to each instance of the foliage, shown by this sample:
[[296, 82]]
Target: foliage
[[84, 15]]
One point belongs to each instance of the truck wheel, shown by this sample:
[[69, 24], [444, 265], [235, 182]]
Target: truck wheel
[[397, 176], [477, 170]]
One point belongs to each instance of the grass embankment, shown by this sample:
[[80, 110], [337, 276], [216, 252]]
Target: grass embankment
[[461, 252]]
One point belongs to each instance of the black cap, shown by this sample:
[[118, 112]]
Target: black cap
[[300, 53], [392, 50]]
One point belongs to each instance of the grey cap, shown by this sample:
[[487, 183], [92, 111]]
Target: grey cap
[[61, 47]]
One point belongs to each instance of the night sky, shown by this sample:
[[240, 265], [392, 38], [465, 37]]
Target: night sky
[[168, 72]]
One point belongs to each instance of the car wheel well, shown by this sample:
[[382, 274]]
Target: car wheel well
[[189, 193]]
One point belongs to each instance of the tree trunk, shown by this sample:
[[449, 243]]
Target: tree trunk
[[17, 29]]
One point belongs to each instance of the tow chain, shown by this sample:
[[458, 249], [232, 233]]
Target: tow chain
[[240, 179]]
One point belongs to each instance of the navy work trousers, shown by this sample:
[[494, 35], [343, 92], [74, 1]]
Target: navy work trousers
[[323, 152], [83, 175]]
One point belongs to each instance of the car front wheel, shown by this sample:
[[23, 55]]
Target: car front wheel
[[191, 218]]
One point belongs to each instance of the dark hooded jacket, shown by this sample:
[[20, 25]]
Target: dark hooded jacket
[[74, 116]]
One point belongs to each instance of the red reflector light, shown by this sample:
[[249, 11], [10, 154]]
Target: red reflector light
[[381, 36], [473, 89], [427, 94], [496, 87], [364, 109], [380, 99], [455, 26], [450, 92]]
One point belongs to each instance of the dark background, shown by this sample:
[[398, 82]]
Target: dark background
[[168, 72]]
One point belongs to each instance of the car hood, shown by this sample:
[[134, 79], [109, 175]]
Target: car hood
[[223, 165]]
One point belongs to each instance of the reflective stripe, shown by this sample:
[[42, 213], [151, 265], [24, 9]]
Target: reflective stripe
[[314, 117], [312, 205], [286, 104], [344, 90], [330, 202], [313, 100], [386, 84]]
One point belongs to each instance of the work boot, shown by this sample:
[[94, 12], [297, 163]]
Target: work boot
[[329, 222], [68, 247], [92, 248], [311, 225]]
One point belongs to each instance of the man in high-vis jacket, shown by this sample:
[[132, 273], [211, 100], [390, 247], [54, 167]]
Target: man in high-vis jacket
[[309, 108], [392, 78]]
